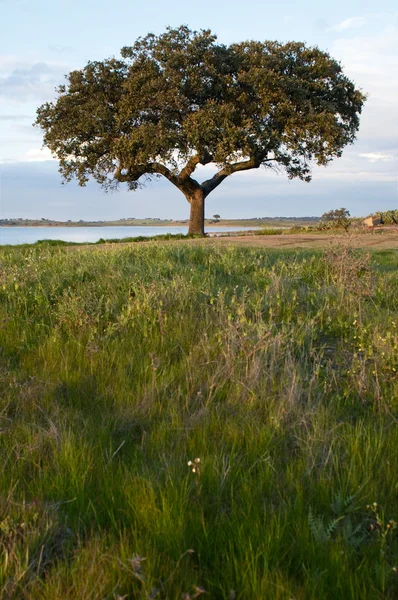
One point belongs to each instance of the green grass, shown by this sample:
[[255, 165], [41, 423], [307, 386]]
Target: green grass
[[270, 231], [277, 369]]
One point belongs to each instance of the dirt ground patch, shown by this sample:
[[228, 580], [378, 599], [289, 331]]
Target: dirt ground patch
[[369, 240], [376, 241]]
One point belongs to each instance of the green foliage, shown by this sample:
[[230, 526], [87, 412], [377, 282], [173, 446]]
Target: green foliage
[[119, 366], [182, 98], [296, 229], [322, 532], [144, 238], [335, 219], [55, 243], [388, 217], [269, 231]]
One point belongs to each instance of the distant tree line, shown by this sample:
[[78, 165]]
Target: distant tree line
[[388, 217]]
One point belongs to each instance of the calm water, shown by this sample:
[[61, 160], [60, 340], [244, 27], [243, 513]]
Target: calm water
[[30, 235]]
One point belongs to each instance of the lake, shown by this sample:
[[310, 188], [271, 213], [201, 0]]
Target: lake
[[30, 235]]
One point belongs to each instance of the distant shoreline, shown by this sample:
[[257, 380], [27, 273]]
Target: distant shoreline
[[273, 221]]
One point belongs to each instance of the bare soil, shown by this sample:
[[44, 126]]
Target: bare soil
[[371, 240], [364, 240]]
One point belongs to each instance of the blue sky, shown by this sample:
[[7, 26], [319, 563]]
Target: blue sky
[[42, 41]]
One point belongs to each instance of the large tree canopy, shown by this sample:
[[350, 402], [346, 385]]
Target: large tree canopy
[[181, 99]]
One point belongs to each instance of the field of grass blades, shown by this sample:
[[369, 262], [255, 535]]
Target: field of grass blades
[[274, 373]]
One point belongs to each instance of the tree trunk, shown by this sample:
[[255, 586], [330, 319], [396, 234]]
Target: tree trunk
[[197, 216]]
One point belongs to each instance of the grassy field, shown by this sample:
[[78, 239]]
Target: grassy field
[[273, 371]]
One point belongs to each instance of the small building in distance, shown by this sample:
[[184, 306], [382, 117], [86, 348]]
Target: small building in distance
[[372, 221]]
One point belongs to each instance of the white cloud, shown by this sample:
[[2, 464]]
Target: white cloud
[[377, 156], [21, 80], [372, 62], [25, 82], [353, 22], [30, 156], [38, 155], [14, 117], [8, 61], [358, 176]]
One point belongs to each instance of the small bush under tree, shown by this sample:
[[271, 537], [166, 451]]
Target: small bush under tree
[[338, 218]]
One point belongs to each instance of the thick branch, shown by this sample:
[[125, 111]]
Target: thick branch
[[211, 184], [134, 173], [186, 185], [189, 168]]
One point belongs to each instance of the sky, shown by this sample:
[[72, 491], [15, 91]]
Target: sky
[[42, 41]]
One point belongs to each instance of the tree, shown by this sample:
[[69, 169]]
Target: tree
[[216, 218], [180, 99], [337, 218]]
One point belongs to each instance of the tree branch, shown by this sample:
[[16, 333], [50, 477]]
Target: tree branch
[[135, 172], [189, 168], [211, 184]]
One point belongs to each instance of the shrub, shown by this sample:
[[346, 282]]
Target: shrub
[[270, 231], [338, 218], [296, 229], [388, 217]]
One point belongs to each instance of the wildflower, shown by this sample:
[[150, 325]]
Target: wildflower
[[195, 465]]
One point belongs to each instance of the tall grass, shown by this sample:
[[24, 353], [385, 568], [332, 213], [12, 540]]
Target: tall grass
[[277, 370]]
